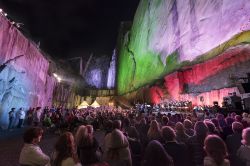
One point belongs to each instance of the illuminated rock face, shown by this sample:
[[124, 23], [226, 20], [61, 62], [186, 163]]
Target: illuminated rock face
[[24, 81], [97, 73], [167, 35], [112, 72]]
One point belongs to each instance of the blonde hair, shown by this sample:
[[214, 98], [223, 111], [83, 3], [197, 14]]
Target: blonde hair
[[154, 130], [81, 133], [246, 136]]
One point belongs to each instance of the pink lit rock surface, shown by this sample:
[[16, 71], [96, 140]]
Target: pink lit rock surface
[[24, 82], [193, 27]]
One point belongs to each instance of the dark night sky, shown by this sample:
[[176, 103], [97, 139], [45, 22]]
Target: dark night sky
[[67, 28]]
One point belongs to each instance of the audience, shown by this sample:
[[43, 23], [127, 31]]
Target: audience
[[156, 155], [195, 144], [87, 146], [188, 127], [65, 151], [181, 136], [154, 131], [132, 138], [216, 151], [233, 143], [31, 153], [178, 151], [244, 151], [118, 149]]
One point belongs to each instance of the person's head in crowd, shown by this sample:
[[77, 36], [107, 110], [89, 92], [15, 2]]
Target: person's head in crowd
[[154, 131], [143, 121], [65, 148], [126, 123], [238, 118], [201, 130], [187, 124], [215, 122], [221, 120], [246, 136], [154, 125], [38, 108], [109, 126], [155, 154], [229, 121], [215, 148], [90, 129], [81, 133], [233, 114], [133, 133], [210, 126], [118, 142], [168, 133], [33, 135], [117, 124], [164, 120], [237, 127], [179, 127], [245, 115]]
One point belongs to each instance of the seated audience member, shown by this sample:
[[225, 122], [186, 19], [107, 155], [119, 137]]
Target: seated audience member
[[233, 143], [142, 129], [217, 125], [216, 151], [244, 151], [31, 153], [188, 127], [164, 120], [211, 128], [65, 151], [154, 131], [155, 155], [246, 118], [178, 151], [87, 146], [181, 136], [135, 146], [118, 150], [195, 144], [227, 130]]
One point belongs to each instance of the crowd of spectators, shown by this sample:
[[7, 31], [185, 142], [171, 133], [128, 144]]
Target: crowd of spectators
[[135, 138]]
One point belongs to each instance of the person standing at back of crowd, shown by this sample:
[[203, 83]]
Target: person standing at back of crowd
[[11, 118], [21, 116], [36, 116]]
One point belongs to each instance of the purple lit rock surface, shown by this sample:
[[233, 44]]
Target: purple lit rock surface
[[24, 81], [112, 72], [97, 73], [193, 26]]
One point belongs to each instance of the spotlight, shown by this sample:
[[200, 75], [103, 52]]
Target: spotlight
[[55, 75], [1, 10], [19, 24], [59, 79], [5, 14]]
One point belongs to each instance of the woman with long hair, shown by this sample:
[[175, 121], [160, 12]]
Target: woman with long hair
[[156, 155], [65, 151], [216, 151], [154, 131], [118, 150], [87, 145]]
